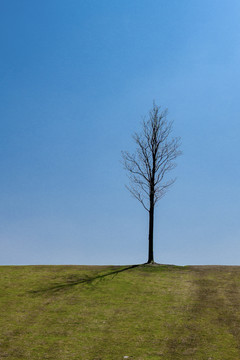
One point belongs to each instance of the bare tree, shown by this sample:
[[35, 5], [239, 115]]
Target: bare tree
[[148, 166]]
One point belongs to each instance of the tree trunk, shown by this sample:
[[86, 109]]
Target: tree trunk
[[150, 236]]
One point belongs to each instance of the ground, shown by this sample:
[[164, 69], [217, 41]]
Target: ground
[[108, 313]]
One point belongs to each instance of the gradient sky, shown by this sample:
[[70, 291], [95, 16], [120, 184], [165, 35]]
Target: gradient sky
[[76, 79]]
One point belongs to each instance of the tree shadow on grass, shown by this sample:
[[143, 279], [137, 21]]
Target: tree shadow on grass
[[86, 279]]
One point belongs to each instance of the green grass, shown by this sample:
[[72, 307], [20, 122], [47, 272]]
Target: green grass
[[157, 312]]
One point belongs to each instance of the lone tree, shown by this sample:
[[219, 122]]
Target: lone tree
[[148, 166]]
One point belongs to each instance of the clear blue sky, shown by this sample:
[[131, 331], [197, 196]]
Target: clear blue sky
[[76, 78]]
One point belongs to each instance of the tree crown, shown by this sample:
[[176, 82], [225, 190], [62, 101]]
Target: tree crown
[[154, 157]]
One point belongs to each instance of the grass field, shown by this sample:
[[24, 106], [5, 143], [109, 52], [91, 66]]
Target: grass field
[[143, 312]]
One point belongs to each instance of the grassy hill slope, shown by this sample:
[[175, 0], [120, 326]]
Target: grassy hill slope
[[158, 312]]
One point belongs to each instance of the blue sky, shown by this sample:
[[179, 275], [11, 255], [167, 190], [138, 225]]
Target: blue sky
[[76, 79]]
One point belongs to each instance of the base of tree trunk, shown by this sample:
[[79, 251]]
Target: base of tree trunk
[[152, 263]]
